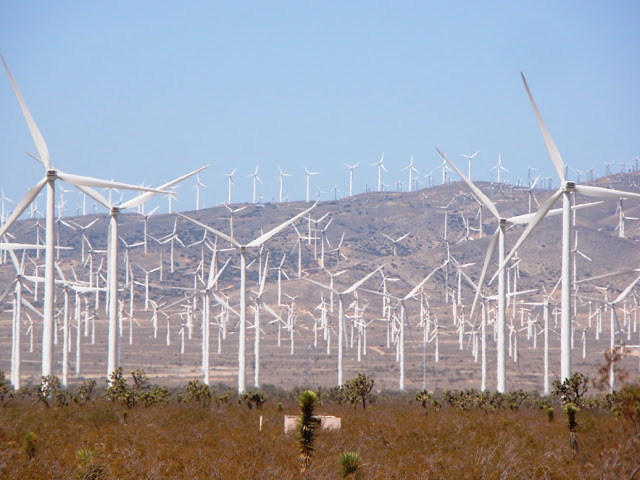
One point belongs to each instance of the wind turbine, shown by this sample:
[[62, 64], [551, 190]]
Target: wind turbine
[[112, 256], [51, 175], [230, 176], [499, 239], [197, 189], [565, 191], [341, 312], [469, 158], [351, 168], [396, 241], [243, 287], [380, 168], [411, 169], [256, 178], [499, 167], [281, 180], [308, 181]]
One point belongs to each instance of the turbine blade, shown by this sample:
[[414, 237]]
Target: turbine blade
[[554, 153], [134, 202], [600, 192], [224, 236], [263, 238], [425, 280], [41, 146], [22, 205], [357, 284], [539, 216], [627, 291], [81, 180], [476, 191], [487, 259]]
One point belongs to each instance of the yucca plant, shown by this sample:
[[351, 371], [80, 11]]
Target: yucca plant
[[307, 424], [350, 465]]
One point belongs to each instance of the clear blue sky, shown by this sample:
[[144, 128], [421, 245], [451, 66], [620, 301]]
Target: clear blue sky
[[150, 90]]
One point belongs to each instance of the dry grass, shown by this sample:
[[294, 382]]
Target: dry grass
[[394, 439]]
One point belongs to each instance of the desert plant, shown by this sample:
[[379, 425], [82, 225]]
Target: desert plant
[[306, 427], [359, 389], [91, 464], [254, 398], [200, 392], [30, 445], [550, 413], [7, 393], [350, 465], [50, 389], [426, 399], [85, 392], [626, 405], [571, 390], [571, 409]]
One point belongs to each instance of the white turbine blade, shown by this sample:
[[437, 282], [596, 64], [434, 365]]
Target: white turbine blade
[[41, 146], [326, 287], [263, 238], [476, 191], [425, 280], [95, 195], [627, 291], [539, 216], [357, 284], [535, 182], [81, 180], [527, 217], [600, 192], [223, 302], [264, 273], [8, 290], [140, 199], [272, 312], [403, 237], [213, 281], [20, 246], [554, 153], [22, 205], [626, 271], [487, 259], [224, 236]]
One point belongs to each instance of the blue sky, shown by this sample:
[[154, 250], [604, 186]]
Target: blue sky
[[150, 90]]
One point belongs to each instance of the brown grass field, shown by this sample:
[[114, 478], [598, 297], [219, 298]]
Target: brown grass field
[[394, 438]]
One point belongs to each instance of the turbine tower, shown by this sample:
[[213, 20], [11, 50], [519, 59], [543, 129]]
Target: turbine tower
[[351, 168], [380, 168]]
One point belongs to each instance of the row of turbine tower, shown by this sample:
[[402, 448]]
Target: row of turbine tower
[[205, 296]]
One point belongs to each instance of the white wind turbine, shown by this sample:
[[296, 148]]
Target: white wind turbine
[[497, 238], [112, 256], [230, 177], [243, 288], [281, 181], [411, 169], [308, 181], [197, 189], [380, 168], [469, 158], [498, 167], [565, 190], [256, 178], [351, 168], [396, 241], [51, 175], [341, 312]]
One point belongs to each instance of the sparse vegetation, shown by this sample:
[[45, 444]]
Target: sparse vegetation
[[108, 438]]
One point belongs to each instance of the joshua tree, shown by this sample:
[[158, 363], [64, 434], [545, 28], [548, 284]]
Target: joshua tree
[[358, 389], [307, 424]]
